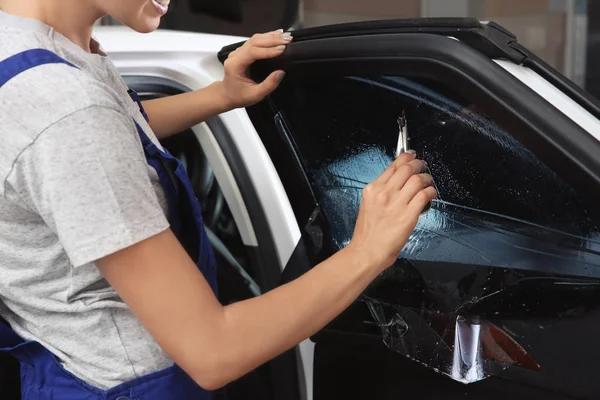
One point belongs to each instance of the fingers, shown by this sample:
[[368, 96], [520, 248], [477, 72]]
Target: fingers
[[260, 46], [421, 199], [391, 169], [268, 85], [260, 53], [405, 181], [404, 172], [414, 185], [270, 39]]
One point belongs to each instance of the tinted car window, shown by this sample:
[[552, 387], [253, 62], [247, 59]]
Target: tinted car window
[[508, 245], [347, 128], [346, 131]]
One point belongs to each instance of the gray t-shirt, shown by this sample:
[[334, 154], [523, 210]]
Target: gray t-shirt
[[75, 187]]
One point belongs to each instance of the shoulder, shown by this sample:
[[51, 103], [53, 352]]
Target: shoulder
[[41, 96], [45, 94], [36, 101]]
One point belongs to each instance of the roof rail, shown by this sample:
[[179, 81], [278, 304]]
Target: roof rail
[[489, 38]]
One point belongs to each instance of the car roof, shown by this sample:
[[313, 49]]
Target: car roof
[[488, 37], [118, 39]]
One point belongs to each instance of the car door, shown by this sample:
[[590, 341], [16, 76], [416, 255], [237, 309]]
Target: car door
[[495, 295]]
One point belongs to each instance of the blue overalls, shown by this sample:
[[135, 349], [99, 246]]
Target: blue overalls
[[42, 377]]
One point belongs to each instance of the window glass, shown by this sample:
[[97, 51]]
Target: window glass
[[346, 131], [509, 244]]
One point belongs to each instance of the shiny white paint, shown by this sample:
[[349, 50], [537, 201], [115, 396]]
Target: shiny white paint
[[554, 96], [120, 39], [307, 357], [227, 183]]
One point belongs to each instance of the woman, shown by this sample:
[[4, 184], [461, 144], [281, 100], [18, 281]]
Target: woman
[[106, 276]]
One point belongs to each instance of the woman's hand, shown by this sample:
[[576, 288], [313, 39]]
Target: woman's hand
[[173, 114], [240, 90], [390, 209]]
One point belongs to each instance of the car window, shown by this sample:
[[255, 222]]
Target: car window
[[492, 189], [506, 238]]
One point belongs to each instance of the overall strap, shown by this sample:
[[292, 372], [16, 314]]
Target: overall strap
[[8, 338], [136, 99], [26, 60], [184, 207]]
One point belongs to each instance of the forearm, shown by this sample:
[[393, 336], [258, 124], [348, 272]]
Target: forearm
[[217, 344], [256, 330], [174, 114]]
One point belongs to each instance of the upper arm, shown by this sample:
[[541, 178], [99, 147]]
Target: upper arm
[[87, 177], [170, 296]]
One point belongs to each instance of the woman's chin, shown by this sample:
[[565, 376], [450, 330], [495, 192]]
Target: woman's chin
[[147, 25]]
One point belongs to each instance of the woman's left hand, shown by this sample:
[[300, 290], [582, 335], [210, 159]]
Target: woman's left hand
[[240, 89]]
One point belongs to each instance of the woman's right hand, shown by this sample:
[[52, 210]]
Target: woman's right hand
[[390, 209]]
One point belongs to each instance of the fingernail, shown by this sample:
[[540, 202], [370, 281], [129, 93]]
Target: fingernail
[[280, 75], [287, 36], [414, 153], [280, 48], [279, 30]]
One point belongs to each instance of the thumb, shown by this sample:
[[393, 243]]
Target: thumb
[[269, 84]]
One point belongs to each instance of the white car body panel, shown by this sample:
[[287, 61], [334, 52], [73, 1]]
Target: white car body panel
[[226, 181], [554, 96]]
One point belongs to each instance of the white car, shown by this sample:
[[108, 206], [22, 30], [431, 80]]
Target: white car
[[494, 296]]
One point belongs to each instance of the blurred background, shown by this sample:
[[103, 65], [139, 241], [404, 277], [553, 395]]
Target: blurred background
[[565, 33]]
